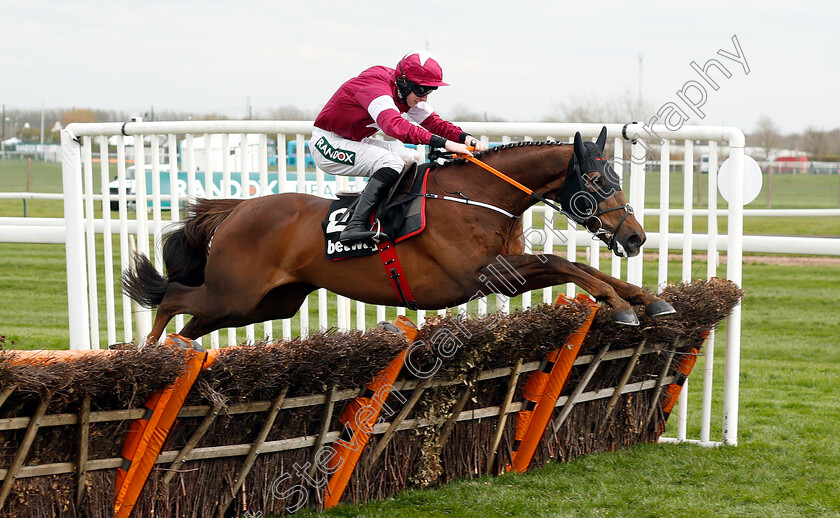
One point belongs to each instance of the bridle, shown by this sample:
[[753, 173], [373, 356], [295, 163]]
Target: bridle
[[601, 231], [582, 205]]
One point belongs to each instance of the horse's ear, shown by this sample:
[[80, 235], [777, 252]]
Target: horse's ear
[[602, 139], [580, 151]]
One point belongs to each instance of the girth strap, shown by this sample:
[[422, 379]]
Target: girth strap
[[394, 270]]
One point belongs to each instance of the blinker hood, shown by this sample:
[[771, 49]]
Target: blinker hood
[[581, 193]]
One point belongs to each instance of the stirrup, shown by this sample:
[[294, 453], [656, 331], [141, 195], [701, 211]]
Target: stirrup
[[362, 234]]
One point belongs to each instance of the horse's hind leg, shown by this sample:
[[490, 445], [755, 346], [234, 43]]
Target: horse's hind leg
[[654, 306], [200, 326], [182, 299], [281, 302]]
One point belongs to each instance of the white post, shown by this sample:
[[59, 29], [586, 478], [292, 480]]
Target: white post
[[343, 313], [174, 202], [637, 197], [688, 228], [71, 175], [262, 169], [90, 234], [711, 265], [618, 167], [688, 215], [107, 242], [124, 252], [733, 273], [301, 187], [360, 316], [527, 225], [571, 248], [143, 317], [664, 205], [548, 249], [682, 412], [244, 177], [323, 321], [157, 203], [281, 162]]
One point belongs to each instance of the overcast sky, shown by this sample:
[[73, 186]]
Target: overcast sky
[[516, 60]]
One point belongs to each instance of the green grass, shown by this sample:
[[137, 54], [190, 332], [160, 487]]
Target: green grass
[[44, 178], [33, 296]]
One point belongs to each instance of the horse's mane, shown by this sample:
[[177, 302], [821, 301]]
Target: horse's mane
[[504, 147]]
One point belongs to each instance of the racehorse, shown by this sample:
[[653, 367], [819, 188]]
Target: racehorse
[[267, 253]]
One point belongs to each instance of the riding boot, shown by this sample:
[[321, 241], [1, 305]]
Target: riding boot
[[358, 228]]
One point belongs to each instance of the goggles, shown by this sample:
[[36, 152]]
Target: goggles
[[422, 91]]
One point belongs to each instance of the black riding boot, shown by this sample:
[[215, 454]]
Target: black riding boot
[[358, 228]]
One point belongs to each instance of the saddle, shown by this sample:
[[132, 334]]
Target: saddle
[[402, 214]]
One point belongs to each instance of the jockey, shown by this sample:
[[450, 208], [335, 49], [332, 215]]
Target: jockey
[[376, 99]]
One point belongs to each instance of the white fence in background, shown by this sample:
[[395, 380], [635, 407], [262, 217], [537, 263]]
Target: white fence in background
[[88, 235]]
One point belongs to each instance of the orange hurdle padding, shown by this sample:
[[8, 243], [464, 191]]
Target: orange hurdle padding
[[359, 418], [48, 357], [543, 388], [146, 436], [535, 387]]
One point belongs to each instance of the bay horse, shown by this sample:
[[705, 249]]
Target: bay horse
[[267, 253]]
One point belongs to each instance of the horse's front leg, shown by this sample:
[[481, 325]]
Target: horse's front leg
[[654, 306], [516, 274]]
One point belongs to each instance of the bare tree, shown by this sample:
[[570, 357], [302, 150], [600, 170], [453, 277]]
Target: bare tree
[[766, 135], [77, 115], [815, 142], [289, 112], [833, 145], [463, 113], [624, 107]]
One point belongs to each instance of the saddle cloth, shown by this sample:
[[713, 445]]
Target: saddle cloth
[[402, 215]]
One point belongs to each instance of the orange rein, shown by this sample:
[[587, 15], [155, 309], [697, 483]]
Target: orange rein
[[508, 179], [496, 172]]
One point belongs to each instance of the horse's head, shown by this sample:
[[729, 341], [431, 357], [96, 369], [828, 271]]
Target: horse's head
[[591, 196]]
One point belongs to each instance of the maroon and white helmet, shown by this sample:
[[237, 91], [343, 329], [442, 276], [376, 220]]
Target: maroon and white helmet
[[421, 68]]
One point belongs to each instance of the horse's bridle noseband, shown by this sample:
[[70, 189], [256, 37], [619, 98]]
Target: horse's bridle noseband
[[601, 231]]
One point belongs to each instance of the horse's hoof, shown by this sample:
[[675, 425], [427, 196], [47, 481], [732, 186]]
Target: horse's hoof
[[387, 326], [176, 340], [626, 318], [659, 308]]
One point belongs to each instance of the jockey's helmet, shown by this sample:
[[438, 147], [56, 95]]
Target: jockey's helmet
[[418, 72]]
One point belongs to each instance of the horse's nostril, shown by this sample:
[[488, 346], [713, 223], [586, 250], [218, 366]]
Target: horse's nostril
[[635, 240]]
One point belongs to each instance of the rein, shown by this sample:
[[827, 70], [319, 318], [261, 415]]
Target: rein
[[509, 180]]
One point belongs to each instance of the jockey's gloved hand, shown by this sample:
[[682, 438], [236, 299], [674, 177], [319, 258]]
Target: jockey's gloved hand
[[474, 143], [455, 147]]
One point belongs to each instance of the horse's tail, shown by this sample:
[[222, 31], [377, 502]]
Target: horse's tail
[[184, 253]]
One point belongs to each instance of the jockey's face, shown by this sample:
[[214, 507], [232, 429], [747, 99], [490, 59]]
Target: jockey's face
[[413, 99]]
